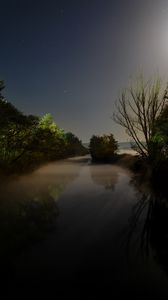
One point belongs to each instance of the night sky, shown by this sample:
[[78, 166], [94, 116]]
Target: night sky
[[72, 58]]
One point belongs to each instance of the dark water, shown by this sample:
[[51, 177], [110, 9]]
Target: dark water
[[76, 230]]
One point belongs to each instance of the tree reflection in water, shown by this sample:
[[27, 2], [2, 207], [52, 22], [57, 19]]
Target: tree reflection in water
[[29, 207], [106, 177], [25, 220], [148, 224]]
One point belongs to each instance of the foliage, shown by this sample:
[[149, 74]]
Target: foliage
[[138, 109], [27, 141], [14, 132], [74, 145], [47, 122], [103, 148], [161, 132]]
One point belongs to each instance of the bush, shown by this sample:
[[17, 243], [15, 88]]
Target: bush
[[103, 148], [28, 141]]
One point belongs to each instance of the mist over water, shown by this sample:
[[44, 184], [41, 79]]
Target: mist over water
[[66, 229], [125, 147]]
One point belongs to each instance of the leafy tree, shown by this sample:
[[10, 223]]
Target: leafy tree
[[103, 148], [27, 141], [74, 145], [160, 137], [2, 86], [47, 122], [13, 131], [50, 138]]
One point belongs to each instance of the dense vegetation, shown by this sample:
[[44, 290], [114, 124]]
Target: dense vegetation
[[103, 148], [27, 141], [142, 110]]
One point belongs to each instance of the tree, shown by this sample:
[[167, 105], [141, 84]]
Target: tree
[[74, 145], [137, 110], [103, 148], [27, 141], [47, 122], [161, 133], [14, 130]]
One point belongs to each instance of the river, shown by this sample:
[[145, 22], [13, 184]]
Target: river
[[75, 229]]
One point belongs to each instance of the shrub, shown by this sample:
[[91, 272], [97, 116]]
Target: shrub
[[103, 148]]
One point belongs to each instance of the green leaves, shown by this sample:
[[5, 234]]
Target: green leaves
[[27, 141], [158, 138]]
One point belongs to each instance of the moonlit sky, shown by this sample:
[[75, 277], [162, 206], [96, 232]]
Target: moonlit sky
[[72, 58]]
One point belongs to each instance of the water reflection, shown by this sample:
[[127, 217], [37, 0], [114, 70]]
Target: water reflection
[[85, 207], [105, 176], [25, 219], [148, 224], [29, 207]]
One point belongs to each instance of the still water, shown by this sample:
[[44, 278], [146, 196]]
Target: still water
[[81, 230]]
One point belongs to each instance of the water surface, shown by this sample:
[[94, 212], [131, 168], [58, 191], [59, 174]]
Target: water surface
[[73, 228]]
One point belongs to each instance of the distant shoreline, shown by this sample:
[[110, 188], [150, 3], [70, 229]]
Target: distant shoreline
[[127, 151], [123, 148]]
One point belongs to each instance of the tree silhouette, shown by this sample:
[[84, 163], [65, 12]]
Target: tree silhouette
[[137, 110], [103, 148]]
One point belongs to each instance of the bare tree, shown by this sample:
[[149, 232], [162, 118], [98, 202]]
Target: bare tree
[[137, 110]]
